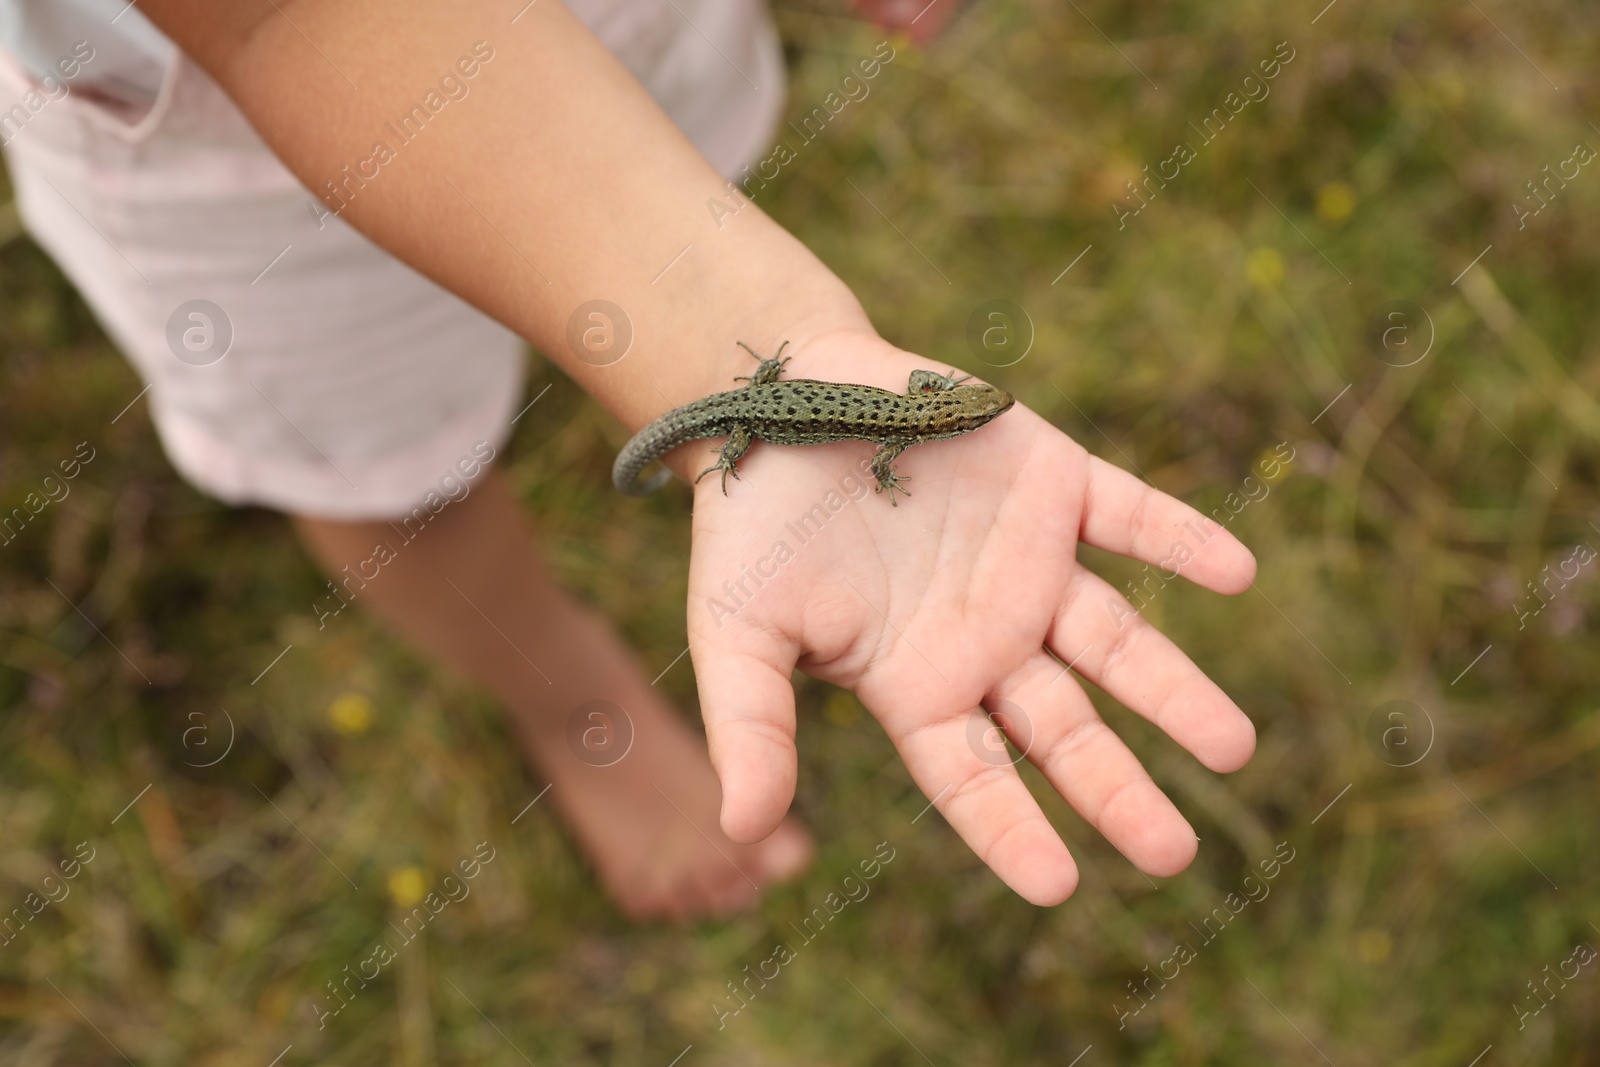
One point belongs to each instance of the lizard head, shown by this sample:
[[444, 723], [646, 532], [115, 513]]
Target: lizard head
[[980, 402]]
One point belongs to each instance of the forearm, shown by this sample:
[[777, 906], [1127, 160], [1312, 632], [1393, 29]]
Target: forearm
[[556, 180]]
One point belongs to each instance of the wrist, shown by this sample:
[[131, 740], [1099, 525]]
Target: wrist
[[759, 285]]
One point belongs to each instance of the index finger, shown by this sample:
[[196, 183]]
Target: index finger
[[1130, 517]]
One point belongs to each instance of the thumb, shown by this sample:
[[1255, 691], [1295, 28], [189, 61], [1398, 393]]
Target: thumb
[[747, 702]]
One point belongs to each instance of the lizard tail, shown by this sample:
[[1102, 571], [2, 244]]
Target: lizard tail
[[654, 482], [625, 475], [652, 442]]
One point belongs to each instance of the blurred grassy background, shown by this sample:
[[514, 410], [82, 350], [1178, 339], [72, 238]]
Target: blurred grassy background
[[1221, 321]]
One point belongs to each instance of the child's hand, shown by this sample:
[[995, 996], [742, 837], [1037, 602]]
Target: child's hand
[[945, 603], [926, 610]]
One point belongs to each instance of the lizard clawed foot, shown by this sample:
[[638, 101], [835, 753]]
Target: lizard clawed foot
[[927, 381], [945, 381], [891, 481], [883, 460], [770, 369], [728, 456], [726, 466]]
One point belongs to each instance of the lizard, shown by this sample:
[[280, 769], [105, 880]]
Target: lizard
[[802, 411]]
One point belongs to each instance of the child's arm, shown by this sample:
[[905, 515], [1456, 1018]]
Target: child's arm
[[557, 162]]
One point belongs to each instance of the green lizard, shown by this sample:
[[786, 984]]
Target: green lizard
[[800, 411]]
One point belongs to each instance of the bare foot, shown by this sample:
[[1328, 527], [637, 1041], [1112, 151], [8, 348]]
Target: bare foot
[[647, 810], [637, 787]]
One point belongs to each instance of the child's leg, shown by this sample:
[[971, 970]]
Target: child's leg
[[348, 385], [650, 821]]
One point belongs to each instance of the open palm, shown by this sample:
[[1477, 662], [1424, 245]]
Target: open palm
[[953, 602]]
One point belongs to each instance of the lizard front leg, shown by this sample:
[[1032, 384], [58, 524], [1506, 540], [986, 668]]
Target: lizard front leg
[[926, 381], [769, 370], [729, 455], [882, 469]]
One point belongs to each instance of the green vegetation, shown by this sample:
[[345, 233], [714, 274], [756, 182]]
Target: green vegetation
[[1217, 323]]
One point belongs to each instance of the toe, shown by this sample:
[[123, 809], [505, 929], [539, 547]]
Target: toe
[[785, 854]]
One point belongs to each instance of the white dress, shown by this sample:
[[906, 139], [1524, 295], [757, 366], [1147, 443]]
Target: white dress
[[291, 362]]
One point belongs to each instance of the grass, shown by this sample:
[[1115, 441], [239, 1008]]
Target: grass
[[1245, 306]]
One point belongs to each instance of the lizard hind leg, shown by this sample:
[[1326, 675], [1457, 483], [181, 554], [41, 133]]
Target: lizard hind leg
[[883, 470], [769, 370], [728, 456]]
